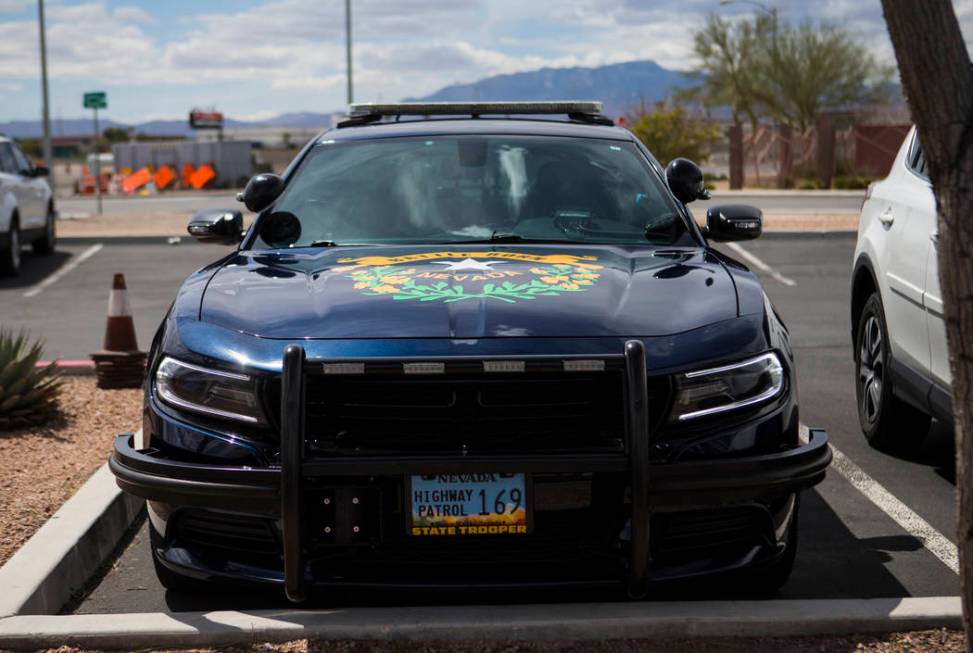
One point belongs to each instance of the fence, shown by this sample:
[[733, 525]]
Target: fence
[[230, 159], [781, 156]]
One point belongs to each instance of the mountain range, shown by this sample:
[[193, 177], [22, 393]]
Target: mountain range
[[621, 87]]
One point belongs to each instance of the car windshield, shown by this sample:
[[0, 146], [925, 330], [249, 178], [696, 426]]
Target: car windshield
[[455, 189]]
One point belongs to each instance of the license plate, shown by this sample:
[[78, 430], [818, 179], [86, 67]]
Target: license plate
[[468, 504]]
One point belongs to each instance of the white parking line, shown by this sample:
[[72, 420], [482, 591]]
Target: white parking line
[[64, 270], [937, 543], [760, 265]]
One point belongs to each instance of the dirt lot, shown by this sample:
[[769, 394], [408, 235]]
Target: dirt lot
[[919, 642], [151, 223], [43, 466]]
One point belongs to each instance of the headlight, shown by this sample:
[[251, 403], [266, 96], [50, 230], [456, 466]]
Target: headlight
[[707, 392], [211, 392]]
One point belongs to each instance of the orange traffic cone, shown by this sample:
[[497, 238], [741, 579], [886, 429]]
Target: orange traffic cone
[[120, 364]]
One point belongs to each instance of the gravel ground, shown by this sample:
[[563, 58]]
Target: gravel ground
[[938, 641], [43, 466], [174, 223]]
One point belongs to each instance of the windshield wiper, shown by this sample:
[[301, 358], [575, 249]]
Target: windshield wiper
[[506, 238], [323, 243], [509, 238]]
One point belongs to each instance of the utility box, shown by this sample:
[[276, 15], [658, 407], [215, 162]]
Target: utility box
[[232, 160]]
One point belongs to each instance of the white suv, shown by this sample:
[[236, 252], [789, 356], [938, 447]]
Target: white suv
[[899, 337], [26, 208]]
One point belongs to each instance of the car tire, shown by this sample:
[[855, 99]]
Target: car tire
[[44, 245], [889, 423], [10, 255]]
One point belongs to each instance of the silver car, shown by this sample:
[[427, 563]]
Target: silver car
[[26, 208], [901, 361]]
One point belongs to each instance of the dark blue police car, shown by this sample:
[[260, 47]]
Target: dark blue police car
[[472, 345]]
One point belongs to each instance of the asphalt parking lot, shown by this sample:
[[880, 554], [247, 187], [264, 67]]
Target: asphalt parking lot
[[878, 526], [63, 298]]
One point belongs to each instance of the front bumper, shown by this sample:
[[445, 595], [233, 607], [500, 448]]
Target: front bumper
[[279, 491]]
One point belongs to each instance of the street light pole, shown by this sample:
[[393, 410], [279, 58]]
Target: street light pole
[[97, 162], [351, 95], [45, 110]]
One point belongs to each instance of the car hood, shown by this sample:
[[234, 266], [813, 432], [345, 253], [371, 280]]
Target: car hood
[[469, 292]]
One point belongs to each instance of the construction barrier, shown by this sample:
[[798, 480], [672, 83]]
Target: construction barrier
[[163, 177], [203, 176], [136, 180]]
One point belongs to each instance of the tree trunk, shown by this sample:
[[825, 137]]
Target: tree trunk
[[824, 152], [938, 81], [736, 156], [785, 155]]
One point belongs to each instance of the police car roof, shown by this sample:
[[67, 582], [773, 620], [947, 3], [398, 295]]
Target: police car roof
[[514, 126]]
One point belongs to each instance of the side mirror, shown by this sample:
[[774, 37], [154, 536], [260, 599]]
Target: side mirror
[[40, 171], [261, 191], [222, 226], [728, 222], [685, 180]]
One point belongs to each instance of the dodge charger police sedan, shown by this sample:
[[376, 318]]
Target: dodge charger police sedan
[[472, 345]]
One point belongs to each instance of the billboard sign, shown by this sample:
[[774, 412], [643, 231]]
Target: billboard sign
[[199, 119]]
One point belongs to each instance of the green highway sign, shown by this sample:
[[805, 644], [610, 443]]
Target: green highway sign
[[96, 100]]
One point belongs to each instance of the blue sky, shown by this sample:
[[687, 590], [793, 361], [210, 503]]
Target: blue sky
[[257, 58]]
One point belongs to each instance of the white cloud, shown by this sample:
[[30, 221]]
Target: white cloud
[[83, 42], [295, 48], [13, 6], [134, 14], [257, 116]]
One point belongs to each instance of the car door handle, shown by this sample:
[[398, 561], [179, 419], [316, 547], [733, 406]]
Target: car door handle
[[886, 217]]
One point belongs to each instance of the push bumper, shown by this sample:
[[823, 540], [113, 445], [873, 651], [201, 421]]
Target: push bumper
[[276, 491]]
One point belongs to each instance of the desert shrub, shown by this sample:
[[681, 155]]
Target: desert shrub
[[28, 393]]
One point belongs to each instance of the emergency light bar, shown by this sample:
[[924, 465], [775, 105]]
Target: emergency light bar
[[473, 108]]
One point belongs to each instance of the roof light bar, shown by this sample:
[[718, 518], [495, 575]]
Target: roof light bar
[[473, 108]]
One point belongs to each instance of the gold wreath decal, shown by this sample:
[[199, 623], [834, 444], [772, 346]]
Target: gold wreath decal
[[472, 276]]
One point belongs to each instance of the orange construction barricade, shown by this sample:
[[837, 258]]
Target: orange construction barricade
[[203, 176], [186, 173], [136, 180], [164, 176]]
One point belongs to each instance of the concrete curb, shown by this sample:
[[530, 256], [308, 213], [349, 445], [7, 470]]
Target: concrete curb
[[63, 555], [788, 192], [592, 621], [807, 233]]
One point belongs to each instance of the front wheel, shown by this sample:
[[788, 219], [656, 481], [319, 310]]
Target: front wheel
[[888, 422], [44, 245], [10, 255]]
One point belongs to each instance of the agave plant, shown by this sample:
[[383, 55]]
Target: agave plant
[[28, 393]]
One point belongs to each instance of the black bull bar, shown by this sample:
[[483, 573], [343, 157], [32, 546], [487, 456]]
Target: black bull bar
[[277, 490]]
